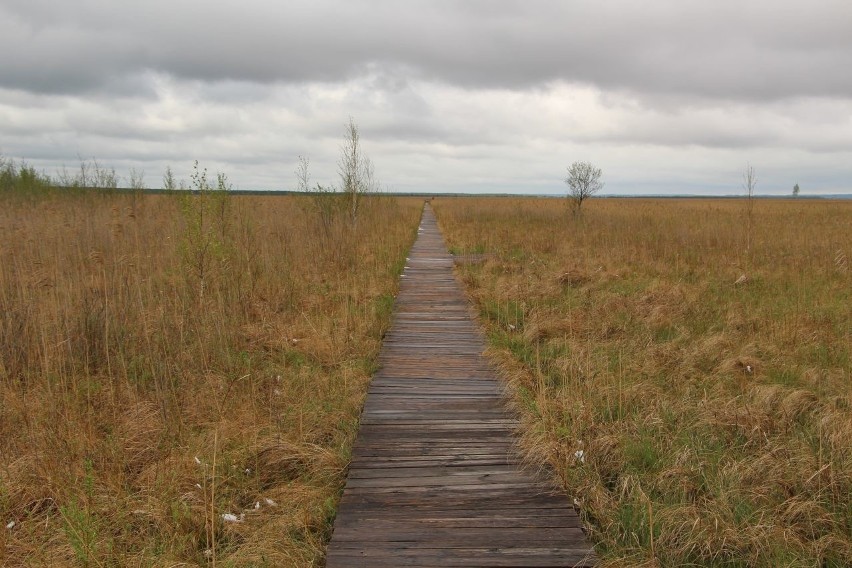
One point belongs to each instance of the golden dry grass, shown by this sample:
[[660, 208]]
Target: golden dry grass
[[135, 411], [693, 396]]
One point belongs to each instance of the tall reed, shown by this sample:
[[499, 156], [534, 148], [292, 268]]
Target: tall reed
[[145, 423]]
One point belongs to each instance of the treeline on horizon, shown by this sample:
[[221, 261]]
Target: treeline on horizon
[[23, 178]]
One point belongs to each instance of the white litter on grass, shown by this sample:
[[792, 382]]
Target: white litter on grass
[[11, 525], [198, 461], [248, 471], [232, 518], [257, 506], [580, 455], [270, 502], [511, 327], [748, 369], [198, 485]]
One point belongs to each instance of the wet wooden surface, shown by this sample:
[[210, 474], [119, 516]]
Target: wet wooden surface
[[435, 478]]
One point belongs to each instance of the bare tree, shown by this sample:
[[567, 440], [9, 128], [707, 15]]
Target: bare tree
[[355, 170], [796, 190], [169, 179], [101, 176], [749, 183], [137, 186], [137, 179], [584, 180], [91, 175], [303, 174], [324, 200]]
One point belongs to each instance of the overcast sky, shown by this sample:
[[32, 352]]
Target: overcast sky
[[666, 96]]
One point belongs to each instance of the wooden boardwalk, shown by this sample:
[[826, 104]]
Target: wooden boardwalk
[[435, 478]]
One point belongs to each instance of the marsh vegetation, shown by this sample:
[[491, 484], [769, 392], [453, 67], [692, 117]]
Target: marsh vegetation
[[181, 375], [682, 365]]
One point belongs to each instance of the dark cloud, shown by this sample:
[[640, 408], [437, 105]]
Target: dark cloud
[[753, 50]]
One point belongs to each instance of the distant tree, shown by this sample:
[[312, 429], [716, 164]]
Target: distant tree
[[137, 180], [355, 169], [749, 183], [323, 199], [303, 174], [584, 180], [796, 190], [21, 177], [169, 180], [137, 185], [90, 175]]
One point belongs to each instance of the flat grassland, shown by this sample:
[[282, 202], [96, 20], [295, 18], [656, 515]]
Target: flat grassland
[[685, 376], [181, 377]]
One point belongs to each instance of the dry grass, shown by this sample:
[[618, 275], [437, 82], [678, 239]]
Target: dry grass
[[135, 411], [694, 398]]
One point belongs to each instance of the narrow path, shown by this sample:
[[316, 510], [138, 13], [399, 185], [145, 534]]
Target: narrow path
[[435, 478]]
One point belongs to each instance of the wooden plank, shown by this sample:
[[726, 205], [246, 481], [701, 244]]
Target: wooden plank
[[427, 471], [544, 518], [436, 477], [422, 557], [459, 537]]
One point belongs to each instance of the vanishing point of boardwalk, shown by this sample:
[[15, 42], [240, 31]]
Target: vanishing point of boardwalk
[[435, 478]]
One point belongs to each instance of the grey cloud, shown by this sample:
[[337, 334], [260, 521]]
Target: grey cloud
[[450, 95], [753, 50]]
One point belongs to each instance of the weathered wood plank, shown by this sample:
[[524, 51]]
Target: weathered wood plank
[[436, 478], [545, 557]]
